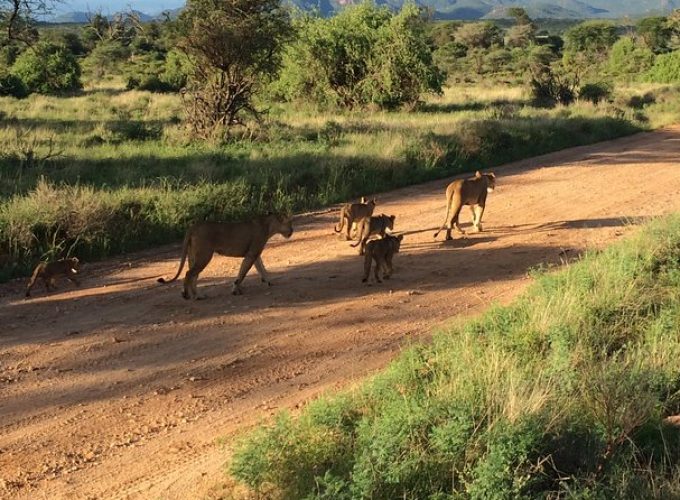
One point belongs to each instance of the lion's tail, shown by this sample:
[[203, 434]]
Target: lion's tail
[[341, 223], [185, 251], [449, 196]]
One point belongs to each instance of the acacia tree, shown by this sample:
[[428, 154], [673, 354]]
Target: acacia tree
[[523, 32], [234, 47], [17, 19]]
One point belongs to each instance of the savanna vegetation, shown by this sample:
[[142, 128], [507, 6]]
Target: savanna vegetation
[[563, 394], [102, 154], [116, 135]]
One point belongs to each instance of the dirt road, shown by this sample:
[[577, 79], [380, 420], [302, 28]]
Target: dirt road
[[121, 389]]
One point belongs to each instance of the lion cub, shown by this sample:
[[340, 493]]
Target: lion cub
[[351, 213], [382, 252], [49, 271], [373, 226]]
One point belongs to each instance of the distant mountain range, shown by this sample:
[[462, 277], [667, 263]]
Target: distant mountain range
[[79, 17], [479, 9], [471, 9]]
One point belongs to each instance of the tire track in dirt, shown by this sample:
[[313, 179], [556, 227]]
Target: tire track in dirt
[[120, 389]]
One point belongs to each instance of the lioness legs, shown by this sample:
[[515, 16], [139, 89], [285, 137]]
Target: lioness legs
[[247, 263], [453, 224], [196, 264], [477, 211], [387, 272], [262, 271]]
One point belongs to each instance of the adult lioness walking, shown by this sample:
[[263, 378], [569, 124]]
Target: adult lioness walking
[[471, 192], [232, 239]]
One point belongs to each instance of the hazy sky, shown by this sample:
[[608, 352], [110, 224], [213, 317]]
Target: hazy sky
[[148, 6]]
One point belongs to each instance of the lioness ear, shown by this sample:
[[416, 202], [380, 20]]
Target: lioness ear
[[393, 217]]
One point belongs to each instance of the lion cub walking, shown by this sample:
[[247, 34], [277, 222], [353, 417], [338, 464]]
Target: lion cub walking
[[373, 226], [49, 271], [382, 252], [351, 213]]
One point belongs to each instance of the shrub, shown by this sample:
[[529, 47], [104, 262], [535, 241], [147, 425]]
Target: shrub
[[48, 69], [364, 55], [666, 68], [549, 88], [595, 92], [629, 59], [150, 83], [158, 75], [8, 54], [235, 48], [176, 70], [131, 130], [12, 85], [106, 58], [640, 101]]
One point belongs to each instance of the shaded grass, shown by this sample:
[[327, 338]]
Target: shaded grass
[[126, 177], [561, 394]]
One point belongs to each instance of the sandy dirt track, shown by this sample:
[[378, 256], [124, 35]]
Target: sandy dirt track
[[121, 388]]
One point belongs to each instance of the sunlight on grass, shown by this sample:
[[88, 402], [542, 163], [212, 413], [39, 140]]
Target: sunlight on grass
[[130, 148]]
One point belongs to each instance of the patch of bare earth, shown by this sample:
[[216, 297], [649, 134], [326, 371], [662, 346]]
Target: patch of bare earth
[[120, 389]]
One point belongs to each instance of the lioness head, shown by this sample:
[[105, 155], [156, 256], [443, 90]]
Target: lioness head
[[389, 221], [283, 225], [396, 242], [491, 182]]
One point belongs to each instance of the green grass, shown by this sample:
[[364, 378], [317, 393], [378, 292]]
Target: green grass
[[562, 394], [124, 175]]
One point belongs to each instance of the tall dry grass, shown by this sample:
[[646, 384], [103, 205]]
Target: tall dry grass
[[128, 149]]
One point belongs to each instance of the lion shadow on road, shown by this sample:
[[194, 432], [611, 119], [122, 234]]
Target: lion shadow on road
[[620, 221]]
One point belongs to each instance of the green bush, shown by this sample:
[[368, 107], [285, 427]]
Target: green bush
[[106, 58], [627, 58], [364, 55], [168, 74], [12, 85], [176, 71], [549, 89], [666, 68], [595, 92], [132, 130], [561, 394], [48, 69]]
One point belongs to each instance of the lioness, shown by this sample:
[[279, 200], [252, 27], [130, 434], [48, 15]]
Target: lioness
[[382, 252], [351, 213], [471, 192], [49, 271], [370, 226], [232, 239]]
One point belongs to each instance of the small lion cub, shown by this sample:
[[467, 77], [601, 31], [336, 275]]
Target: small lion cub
[[382, 252], [49, 271]]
